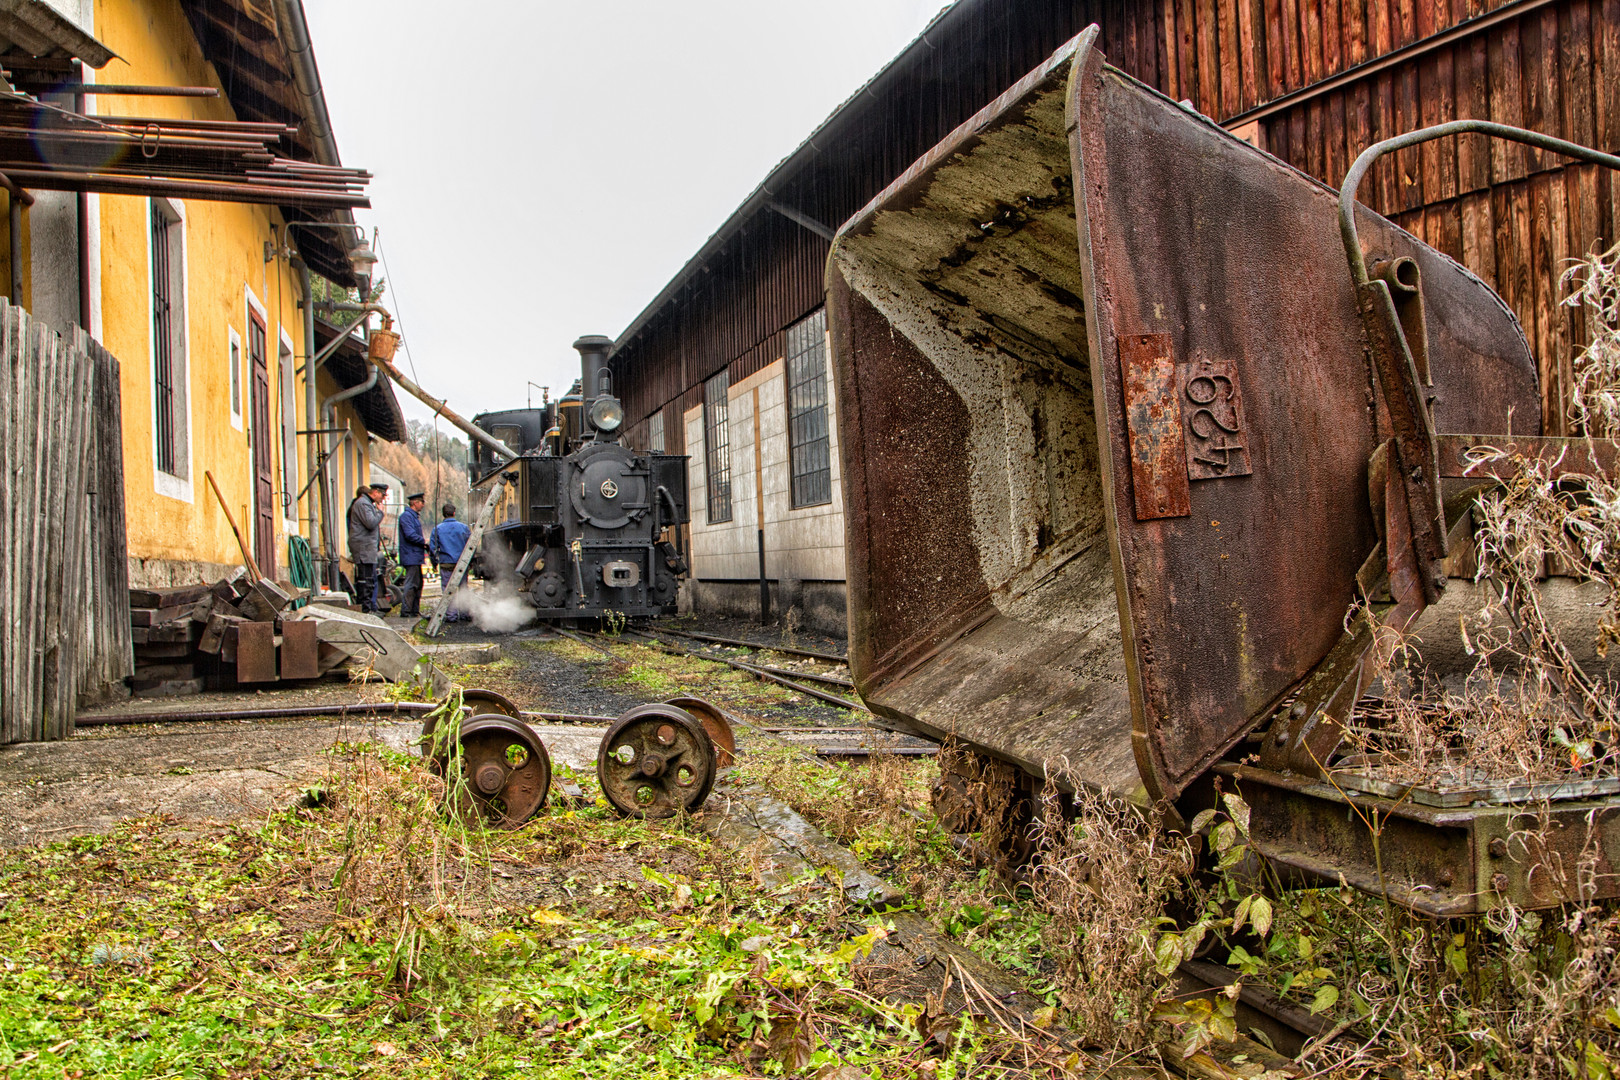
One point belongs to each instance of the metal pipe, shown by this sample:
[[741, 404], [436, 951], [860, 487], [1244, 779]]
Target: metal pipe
[[593, 351], [302, 712], [1352, 180], [142, 91], [440, 408], [203, 190], [318, 525]]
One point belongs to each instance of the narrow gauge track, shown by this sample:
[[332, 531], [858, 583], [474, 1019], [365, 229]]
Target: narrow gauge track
[[785, 650], [585, 638]]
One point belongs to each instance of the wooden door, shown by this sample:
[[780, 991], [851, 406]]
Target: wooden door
[[264, 493]]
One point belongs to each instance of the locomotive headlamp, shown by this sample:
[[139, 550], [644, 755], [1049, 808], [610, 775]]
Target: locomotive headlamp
[[606, 414]]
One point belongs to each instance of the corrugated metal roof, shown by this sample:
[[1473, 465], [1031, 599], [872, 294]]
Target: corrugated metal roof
[[260, 74]]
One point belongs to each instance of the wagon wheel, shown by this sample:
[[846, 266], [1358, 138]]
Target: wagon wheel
[[475, 702], [716, 723], [505, 772], [655, 761]]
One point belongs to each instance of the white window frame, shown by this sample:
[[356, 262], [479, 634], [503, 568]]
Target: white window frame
[[233, 357], [655, 432], [177, 485]]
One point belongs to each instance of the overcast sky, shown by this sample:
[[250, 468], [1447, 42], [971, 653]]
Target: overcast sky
[[544, 168]]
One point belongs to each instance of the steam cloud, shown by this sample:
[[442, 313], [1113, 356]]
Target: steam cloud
[[499, 607]]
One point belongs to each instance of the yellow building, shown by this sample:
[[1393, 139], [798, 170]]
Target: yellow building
[[203, 301]]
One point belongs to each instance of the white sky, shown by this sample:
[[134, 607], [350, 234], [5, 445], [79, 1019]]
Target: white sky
[[542, 169]]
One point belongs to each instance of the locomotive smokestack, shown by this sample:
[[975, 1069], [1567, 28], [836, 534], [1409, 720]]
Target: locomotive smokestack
[[593, 353]]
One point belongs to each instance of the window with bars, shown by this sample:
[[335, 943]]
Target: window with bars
[[717, 447], [655, 432], [809, 446], [168, 341]]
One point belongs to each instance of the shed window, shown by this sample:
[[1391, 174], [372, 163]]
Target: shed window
[[808, 442], [655, 432], [717, 447], [170, 436]]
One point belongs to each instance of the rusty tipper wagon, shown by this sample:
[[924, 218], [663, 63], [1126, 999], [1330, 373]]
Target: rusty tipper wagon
[[1130, 418]]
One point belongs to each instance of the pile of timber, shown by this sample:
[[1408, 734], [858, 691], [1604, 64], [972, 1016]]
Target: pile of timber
[[247, 631], [237, 631]]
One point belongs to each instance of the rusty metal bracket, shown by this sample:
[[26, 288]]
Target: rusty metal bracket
[[1392, 313], [1492, 457]]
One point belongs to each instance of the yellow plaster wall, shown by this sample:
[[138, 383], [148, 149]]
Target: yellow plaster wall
[[224, 253]]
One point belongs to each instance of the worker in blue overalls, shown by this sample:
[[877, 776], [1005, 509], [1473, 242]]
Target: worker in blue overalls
[[412, 553], [445, 545]]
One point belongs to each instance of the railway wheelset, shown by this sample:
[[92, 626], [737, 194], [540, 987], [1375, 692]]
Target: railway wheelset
[[655, 761]]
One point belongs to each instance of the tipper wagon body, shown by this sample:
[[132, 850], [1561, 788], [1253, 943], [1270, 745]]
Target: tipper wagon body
[[1125, 439]]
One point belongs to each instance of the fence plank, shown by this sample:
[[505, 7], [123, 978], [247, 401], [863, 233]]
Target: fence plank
[[66, 611]]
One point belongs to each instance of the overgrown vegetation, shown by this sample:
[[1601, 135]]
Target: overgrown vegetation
[[367, 933]]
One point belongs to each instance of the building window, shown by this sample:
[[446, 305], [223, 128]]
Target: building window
[[169, 341], [808, 443], [234, 352], [655, 432], [717, 447]]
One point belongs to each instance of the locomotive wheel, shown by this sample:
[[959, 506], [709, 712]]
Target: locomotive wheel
[[716, 723], [655, 761], [505, 772]]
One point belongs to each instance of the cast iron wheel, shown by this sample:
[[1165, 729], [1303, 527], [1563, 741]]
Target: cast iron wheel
[[474, 702], [655, 761], [505, 772], [716, 723], [487, 702]]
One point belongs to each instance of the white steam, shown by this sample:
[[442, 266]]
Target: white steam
[[496, 608]]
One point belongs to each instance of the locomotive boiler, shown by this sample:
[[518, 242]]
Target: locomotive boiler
[[590, 527]]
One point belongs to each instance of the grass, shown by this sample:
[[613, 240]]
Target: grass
[[366, 934]]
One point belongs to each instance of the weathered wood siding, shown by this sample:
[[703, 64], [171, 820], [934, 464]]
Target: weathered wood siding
[[1322, 78], [65, 634]]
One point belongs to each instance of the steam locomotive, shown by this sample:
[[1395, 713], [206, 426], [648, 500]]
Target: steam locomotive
[[583, 527]]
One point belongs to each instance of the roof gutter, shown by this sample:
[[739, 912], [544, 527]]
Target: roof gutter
[[765, 195]]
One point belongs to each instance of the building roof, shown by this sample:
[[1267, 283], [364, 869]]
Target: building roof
[[378, 407], [38, 29], [266, 64]]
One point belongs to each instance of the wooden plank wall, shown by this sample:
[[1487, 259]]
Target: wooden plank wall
[[1513, 215], [65, 634]]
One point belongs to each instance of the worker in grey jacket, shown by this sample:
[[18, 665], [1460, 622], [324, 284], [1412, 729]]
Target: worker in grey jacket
[[365, 525]]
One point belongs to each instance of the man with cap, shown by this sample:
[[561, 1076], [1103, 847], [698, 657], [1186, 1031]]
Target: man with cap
[[365, 532], [412, 552]]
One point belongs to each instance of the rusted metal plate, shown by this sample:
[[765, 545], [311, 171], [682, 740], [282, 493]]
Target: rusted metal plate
[[1442, 862], [1003, 587], [300, 650], [1159, 464], [1212, 404], [1187, 231], [256, 652]]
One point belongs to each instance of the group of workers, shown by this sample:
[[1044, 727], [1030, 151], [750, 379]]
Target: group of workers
[[443, 546]]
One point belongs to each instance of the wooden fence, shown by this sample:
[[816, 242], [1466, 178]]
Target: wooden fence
[[65, 633]]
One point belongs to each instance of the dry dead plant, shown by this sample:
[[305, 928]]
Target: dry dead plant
[[1105, 875], [1528, 711]]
